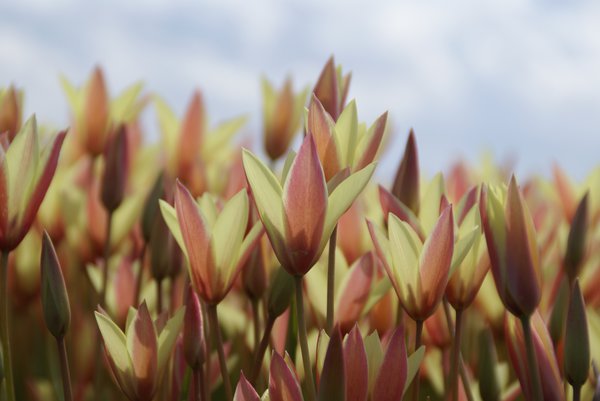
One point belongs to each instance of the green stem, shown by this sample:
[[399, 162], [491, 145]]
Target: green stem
[[260, 351], [218, 340], [140, 277], [576, 393], [455, 355], [106, 258], [64, 368], [418, 334], [532, 360], [302, 337], [199, 384], [331, 280], [256, 323], [4, 332], [159, 296]]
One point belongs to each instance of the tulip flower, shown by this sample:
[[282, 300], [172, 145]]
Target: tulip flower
[[11, 108], [94, 113], [547, 365], [345, 143], [418, 271], [332, 88], [216, 246], [300, 214], [139, 356], [282, 115]]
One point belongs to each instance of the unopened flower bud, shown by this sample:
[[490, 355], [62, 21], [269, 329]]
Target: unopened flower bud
[[194, 345], [10, 111], [115, 170], [151, 209], [577, 240], [280, 293], [577, 342], [55, 300], [406, 182]]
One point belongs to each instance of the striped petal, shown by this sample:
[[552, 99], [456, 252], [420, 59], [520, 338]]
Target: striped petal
[[357, 370], [244, 390], [283, 385], [389, 385]]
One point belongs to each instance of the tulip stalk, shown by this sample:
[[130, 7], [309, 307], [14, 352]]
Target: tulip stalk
[[532, 360], [418, 335], [198, 375], [215, 330], [140, 276], [260, 351], [303, 338], [106, 258], [256, 323], [331, 280], [64, 368], [460, 363], [4, 332], [455, 354]]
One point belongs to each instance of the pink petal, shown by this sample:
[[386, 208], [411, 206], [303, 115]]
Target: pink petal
[[283, 385], [305, 205], [332, 383], [356, 292], [357, 372], [374, 142], [435, 260], [321, 126], [406, 183], [197, 241], [391, 204], [191, 135], [391, 378], [244, 390], [144, 353], [326, 89]]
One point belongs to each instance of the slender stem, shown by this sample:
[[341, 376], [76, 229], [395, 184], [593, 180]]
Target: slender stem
[[461, 363], [208, 363], [106, 258], [260, 351], [256, 323], [4, 332], [331, 279], [159, 295], [576, 393], [455, 355], [302, 337], [140, 276], [418, 333], [532, 360], [199, 384], [64, 368], [218, 340]]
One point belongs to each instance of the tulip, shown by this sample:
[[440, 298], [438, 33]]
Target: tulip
[[55, 305], [26, 172], [300, 215], [547, 365], [576, 242], [11, 109], [332, 88], [345, 143], [282, 115], [577, 342], [139, 356], [418, 271], [216, 246]]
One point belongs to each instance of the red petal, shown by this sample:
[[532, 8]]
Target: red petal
[[357, 372], [391, 379], [197, 241], [321, 126], [305, 205], [283, 385], [244, 390], [435, 260]]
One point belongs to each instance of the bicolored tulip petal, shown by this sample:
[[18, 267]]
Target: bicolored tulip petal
[[170, 217], [321, 126], [371, 142], [346, 129], [332, 385], [196, 237], [167, 337], [390, 204], [389, 385], [374, 358], [244, 390], [326, 89], [142, 346], [115, 344], [305, 206], [522, 259], [354, 290], [283, 385], [356, 368], [406, 182]]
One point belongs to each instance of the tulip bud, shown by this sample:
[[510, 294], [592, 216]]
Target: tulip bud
[[577, 342], [254, 274], [332, 386], [151, 208], [489, 388], [576, 241], [55, 300], [556, 326], [280, 293], [115, 170], [406, 183], [10, 111], [332, 89], [96, 114], [194, 345], [159, 255]]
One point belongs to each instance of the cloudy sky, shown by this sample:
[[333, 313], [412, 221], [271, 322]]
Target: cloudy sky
[[518, 77]]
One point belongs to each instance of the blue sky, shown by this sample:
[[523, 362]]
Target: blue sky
[[518, 77]]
